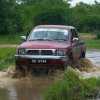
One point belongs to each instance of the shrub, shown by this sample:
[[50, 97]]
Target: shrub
[[98, 35]]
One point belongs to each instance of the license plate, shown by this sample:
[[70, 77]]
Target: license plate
[[39, 61]]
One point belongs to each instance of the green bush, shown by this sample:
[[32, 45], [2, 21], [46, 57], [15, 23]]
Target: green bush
[[98, 35]]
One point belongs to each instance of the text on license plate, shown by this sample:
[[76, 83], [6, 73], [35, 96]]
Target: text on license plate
[[39, 61]]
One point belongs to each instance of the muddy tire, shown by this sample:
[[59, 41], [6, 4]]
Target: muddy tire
[[65, 65], [82, 55], [70, 61], [19, 68]]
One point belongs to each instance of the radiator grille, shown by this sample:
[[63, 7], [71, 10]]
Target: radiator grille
[[40, 52]]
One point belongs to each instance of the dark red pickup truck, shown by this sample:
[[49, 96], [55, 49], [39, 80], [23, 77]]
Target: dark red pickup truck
[[50, 46]]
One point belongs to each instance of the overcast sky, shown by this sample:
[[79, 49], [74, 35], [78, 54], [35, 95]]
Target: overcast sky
[[85, 1]]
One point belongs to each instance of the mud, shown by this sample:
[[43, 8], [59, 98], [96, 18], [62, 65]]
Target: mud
[[90, 67], [86, 65], [87, 36]]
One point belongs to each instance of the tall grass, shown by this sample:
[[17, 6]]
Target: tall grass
[[71, 87], [6, 57]]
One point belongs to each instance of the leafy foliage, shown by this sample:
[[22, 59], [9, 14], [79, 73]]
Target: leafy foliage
[[50, 17], [20, 18]]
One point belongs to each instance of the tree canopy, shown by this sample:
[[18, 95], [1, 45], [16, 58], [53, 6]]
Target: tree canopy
[[18, 18]]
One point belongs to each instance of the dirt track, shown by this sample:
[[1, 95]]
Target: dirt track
[[8, 45]]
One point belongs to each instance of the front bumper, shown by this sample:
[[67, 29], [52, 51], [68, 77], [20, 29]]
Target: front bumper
[[51, 61]]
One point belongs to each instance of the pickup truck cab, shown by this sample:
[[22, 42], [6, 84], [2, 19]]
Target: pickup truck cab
[[50, 46]]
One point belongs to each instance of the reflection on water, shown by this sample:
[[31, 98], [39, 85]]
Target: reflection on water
[[12, 93], [94, 56], [23, 89]]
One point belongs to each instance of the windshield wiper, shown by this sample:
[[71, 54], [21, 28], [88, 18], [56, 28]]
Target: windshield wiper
[[47, 39], [38, 39], [60, 39], [42, 39]]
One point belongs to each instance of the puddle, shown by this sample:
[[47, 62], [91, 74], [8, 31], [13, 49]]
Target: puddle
[[30, 87], [23, 89], [94, 56]]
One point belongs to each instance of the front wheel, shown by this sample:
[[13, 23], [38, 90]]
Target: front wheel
[[82, 55], [70, 61], [19, 68]]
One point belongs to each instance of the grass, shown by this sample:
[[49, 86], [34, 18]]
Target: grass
[[71, 87], [10, 39], [90, 40], [92, 43], [6, 57]]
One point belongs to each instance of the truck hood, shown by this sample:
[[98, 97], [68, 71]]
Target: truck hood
[[44, 45]]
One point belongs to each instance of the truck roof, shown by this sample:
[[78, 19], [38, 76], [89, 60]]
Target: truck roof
[[55, 26]]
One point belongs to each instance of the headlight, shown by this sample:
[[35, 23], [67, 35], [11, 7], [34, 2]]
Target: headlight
[[59, 52], [21, 51]]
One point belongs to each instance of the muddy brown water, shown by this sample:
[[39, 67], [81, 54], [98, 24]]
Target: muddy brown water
[[23, 89], [35, 87]]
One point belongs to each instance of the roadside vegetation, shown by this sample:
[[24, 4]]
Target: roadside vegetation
[[92, 43], [10, 38], [6, 58], [91, 40], [71, 86]]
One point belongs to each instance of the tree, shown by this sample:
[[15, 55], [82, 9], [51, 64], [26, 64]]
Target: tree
[[3, 14]]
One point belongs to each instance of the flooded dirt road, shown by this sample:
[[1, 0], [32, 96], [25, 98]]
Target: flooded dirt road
[[94, 56], [23, 89], [35, 87]]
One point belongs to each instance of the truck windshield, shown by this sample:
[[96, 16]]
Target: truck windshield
[[49, 34]]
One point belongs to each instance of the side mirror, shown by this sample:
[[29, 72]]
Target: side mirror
[[23, 38], [75, 39]]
